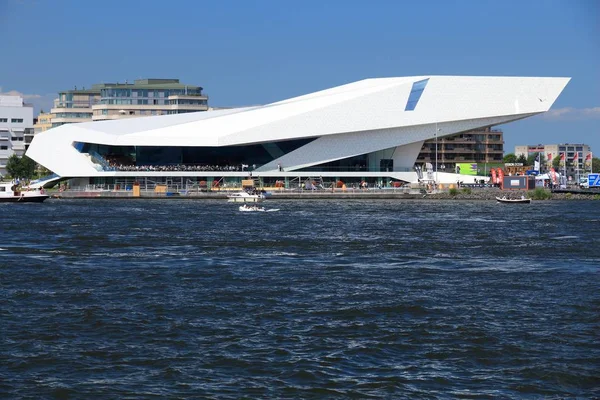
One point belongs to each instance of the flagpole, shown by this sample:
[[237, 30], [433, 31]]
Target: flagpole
[[564, 157]]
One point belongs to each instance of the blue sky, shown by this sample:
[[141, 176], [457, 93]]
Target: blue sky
[[257, 52]]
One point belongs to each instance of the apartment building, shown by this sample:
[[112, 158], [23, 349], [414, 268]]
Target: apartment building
[[147, 97], [484, 147], [143, 97], [16, 124], [576, 155], [73, 106], [43, 122]]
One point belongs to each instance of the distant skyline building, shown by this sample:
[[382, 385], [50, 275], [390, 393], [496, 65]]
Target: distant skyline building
[[16, 128], [551, 151], [144, 97], [575, 155]]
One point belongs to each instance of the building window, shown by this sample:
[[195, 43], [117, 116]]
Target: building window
[[16, 120], [415, 94], [3, 119], [3, 147]]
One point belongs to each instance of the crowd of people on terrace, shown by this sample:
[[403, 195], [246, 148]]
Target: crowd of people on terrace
[[176, 167], [125, 163]]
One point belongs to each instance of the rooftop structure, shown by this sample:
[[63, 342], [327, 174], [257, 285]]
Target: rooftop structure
[[370, 129]]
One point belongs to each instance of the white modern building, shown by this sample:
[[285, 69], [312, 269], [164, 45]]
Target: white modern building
[[369, 130], [16, 128]]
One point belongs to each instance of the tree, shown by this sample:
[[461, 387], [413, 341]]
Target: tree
[[27, 167], [522, 159], [13, 166], [20, 167], [531, 158], [596, 164], [510, 158], [556, 162]]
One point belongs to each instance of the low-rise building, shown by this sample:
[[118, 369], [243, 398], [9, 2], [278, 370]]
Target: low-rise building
[[575, 156], [16, 123]]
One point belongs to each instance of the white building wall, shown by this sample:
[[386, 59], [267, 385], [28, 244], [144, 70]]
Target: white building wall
[[359, 118], [12, 129]]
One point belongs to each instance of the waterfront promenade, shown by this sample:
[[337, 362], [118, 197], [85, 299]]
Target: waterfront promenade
[[485, 193]]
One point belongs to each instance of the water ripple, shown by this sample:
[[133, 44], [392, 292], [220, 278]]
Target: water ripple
[[324, 299]]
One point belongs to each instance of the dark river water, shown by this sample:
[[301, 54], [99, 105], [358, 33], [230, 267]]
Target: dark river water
[[358, 299]]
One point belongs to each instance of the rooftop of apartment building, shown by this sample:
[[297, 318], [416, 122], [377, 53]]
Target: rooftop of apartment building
[[149, 83], [13, 101], [551, 144]]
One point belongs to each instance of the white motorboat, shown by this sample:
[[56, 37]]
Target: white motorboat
[[245, 197], [11, 193], [255, 208], [246, 208], [522, 200]]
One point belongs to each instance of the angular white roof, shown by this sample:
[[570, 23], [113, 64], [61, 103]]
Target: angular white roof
[[362, 116]]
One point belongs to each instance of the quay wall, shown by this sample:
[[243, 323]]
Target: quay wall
[[470, 194]]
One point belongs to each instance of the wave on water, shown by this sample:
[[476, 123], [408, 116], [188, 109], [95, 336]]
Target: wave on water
[[362, 298]]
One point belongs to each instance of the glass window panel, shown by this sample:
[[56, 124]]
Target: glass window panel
[[415, 94]]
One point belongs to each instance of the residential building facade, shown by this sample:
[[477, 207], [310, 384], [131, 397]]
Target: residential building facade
[[144, 97], [147, 97], [484, 147], [73, 106], [16, 123], [576, 155], [43, 122]]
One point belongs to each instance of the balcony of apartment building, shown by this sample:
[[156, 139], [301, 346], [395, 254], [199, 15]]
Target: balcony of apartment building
[[28, 135], [171, 105], [188, 102], [70, 116], [104, 112], [18, 144]]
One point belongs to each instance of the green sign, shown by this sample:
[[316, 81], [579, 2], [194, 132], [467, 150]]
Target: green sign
[[466, 168]]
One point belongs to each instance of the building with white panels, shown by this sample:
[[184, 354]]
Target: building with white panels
[[369, 130], [16, 128]]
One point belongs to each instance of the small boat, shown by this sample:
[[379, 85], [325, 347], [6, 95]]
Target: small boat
[[247, 208], [10, 192], [522, 200], [245, 197]]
